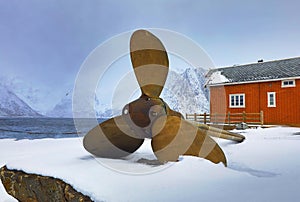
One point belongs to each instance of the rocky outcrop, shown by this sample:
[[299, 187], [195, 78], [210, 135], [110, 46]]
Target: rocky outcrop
[[35, 188]]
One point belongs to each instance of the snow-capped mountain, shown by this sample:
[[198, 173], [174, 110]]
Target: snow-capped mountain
[[63, 109], [13, 106], [104, 111], [184, 92]]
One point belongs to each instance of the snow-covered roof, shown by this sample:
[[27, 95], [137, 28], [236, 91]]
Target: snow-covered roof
[[261, 71]]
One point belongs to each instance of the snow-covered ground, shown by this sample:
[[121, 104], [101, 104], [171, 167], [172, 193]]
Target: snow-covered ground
[[265, 167]]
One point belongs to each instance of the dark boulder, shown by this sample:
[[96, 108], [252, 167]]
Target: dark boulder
[[32, 187]]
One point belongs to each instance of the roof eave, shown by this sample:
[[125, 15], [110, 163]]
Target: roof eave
[[246, 82]]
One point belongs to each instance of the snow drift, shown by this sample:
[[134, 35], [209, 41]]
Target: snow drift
[[264, 167]]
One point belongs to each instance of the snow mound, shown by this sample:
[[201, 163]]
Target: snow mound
[[264, 167]]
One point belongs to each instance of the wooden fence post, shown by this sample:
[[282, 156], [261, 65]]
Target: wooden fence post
[[262, 117], [204, 118], [195, 117], [244, 116], [228, 118]]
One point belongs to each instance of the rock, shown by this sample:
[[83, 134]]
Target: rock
[[241, 126], [34, 188]]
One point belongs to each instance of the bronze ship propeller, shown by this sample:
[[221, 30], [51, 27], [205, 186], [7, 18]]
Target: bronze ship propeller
[[149, 116]]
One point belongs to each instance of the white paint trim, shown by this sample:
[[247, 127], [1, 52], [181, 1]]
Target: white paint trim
[[274, 97], [288, 85], [246, 82], [237, 106]]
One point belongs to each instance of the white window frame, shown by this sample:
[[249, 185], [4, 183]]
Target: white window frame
[[235, 104], [288, 83], [269, 99]]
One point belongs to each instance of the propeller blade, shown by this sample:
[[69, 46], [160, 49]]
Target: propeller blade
[[112, 139], [174, 136], [149, 59], [171, 112]]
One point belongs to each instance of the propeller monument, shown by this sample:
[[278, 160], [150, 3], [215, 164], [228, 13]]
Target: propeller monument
[[150, 116]]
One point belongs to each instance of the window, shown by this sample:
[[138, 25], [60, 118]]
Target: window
[[288, 83], [237, 100], [271, 99]]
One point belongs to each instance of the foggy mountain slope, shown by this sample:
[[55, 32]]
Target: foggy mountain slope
[[13, 106]]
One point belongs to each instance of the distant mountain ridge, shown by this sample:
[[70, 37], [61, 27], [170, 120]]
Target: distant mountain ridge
[[13, 106], [63, 109], [184, 92]]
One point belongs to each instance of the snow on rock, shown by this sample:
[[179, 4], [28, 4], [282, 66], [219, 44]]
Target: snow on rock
[[13, 106], [265, 167], [185, 92]]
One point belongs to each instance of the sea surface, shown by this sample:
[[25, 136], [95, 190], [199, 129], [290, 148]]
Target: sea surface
[[37, 128]]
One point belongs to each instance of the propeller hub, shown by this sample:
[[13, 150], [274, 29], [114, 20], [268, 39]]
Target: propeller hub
[[142, 113]]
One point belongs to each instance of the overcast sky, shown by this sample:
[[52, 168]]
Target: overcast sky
[[45, 42]]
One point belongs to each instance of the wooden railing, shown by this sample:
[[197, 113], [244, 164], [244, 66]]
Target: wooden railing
[[229, 118]]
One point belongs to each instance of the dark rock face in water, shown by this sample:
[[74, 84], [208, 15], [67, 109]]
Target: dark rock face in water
[[32, 187]]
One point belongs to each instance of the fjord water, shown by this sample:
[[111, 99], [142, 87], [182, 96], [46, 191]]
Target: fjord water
[[37, 128]]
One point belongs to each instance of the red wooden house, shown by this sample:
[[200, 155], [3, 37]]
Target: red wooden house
[[272, 87]]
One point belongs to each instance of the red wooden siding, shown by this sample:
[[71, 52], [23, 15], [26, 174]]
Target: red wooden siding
[[287, 110]]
